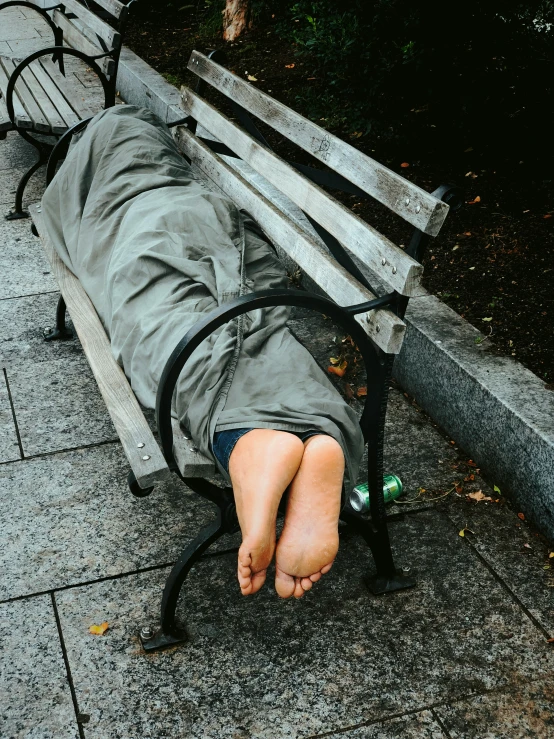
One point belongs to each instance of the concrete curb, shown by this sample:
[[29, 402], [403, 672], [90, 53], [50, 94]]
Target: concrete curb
[[495, 409]]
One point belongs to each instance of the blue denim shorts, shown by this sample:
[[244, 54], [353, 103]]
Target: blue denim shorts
[[224, 442]]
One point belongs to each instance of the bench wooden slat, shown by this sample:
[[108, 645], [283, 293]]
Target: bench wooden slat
[[93, 24], [386, 329], [66, 113], [5, 123], [388, 261], [79, 41], [55, 121], [415, 205], [191, 463], [120, 400], [75, 97], [114, 7], [33, 113], [21, 115]]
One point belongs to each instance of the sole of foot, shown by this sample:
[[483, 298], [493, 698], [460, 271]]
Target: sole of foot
[[310, 540]]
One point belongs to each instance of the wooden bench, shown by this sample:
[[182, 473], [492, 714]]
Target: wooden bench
[[344, 293], [37, 97]]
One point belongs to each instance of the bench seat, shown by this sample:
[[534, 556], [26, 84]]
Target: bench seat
[[44, 101]]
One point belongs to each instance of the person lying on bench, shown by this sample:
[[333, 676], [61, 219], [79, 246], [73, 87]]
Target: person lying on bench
[[156, 250]]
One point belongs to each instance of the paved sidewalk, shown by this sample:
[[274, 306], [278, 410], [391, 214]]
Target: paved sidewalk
[[465, 655]]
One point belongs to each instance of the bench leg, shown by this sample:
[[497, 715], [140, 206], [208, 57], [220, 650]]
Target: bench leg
[[43, 154], [61, 332], [374, 530], [170, 633]]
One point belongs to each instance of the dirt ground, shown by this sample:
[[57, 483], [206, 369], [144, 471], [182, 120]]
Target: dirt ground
[[493, 262]]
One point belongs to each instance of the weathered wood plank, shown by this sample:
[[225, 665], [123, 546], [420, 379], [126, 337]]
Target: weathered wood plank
[[74, 93], [191, 463], [386, 329], [147, 462], [65, 111], [415, 205], [55, 121], [5, 123], [388, 261], [79, 41], [34, 113], [114, 7], [93, 23]]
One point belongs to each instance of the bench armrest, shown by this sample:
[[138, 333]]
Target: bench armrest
[[57, 52], [245, 304]]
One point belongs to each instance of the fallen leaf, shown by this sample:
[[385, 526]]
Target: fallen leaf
[[487, 319], [362, 392], [99, 630], [471, 463], [528, 546], [348, 390], [289, 66], [463, 531], [467, 233], [548, 215], [469, 478], [459, 489], [497, 489], [339, 371], [479, 495], [334, 360], [521, 516], [404, 165], [551, 555], [551, 640], [475, 200], [252, 78]]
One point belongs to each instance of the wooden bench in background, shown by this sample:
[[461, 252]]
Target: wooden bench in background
[[338, 267], [36, 96]]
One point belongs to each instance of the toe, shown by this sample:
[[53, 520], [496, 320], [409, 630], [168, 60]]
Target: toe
[[306, 583], [315, 577], [298, 589], [325, 570], [284, 584], [258, 579]]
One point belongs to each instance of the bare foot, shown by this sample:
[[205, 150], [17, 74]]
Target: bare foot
[[261, 466], [310, 538]]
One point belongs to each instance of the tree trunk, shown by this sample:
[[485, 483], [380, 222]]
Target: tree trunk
[[236, 18]]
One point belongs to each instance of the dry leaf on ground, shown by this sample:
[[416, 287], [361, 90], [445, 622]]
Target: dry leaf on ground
[[521, 516], [99, 630], [463, 531], [479, 495]]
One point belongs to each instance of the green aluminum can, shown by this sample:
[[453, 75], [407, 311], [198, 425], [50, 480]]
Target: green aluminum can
[[359, 498]]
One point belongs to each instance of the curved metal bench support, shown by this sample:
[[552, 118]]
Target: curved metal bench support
[[43, 148], [374, 530]]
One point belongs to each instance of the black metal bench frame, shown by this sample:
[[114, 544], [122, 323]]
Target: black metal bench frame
[[373, 528], [57, 52]]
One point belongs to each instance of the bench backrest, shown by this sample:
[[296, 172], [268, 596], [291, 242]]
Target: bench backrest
[[86, 31], [392, 266]]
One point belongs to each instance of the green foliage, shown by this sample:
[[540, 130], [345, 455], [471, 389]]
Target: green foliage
[[409, 65]]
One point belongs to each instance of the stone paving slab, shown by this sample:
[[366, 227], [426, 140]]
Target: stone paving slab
[[56, 400], [265, 668], [514, 550], [526, 712], [16, 153], [35, 698], [23, 264], [421, 725], [9, 447], [8, 185], [22, 322], [70, 518], [58, 406]]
